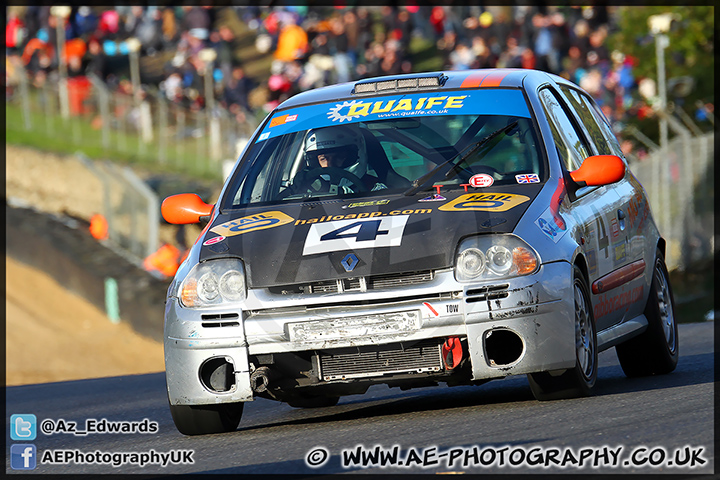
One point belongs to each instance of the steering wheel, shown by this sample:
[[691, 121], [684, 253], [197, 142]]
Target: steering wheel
[[335, 174]]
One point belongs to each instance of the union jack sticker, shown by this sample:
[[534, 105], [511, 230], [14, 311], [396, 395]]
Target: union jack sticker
[[527, 178]]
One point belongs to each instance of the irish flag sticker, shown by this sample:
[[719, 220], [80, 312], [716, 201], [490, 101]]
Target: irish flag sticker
[[481, 180]]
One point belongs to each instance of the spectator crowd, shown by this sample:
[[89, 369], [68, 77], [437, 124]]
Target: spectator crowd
[[312, 47]]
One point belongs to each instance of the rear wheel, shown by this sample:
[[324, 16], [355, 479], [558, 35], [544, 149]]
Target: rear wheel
[[206, 419], [655, 351], [577, 381]]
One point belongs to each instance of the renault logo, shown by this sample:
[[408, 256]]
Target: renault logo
[[349, 262]]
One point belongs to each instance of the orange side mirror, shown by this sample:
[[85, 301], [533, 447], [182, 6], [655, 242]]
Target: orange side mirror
[[184, 208], [599, 170]]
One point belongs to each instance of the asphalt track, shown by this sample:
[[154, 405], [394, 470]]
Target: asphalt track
[[668, 416]]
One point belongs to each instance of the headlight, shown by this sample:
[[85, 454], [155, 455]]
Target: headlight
[[491, 257], [213, 283], [471, 262]]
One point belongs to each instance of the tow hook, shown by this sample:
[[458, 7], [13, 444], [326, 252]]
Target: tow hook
[[260, 379], [452, 352]]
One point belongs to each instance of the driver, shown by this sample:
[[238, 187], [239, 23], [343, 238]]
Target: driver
[[340, 150]]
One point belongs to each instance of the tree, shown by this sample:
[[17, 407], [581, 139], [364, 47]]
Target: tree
[[690, 52]]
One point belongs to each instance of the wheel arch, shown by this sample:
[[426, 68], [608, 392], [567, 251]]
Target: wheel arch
[[581, 263], [661, 244]]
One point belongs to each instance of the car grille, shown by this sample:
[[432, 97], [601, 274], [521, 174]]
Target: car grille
[[490, 292], [407, 357], [357, 284]]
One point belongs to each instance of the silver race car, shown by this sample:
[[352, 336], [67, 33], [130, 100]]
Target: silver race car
[[413, 230]]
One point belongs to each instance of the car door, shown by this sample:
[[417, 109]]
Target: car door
[[595, 209], [629, 248]]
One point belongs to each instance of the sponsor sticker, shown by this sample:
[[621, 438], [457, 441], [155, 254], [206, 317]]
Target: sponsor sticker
[[490, 202], [252, 223], [619, 251], [369, 203], [355, 234], [282, 119], [527, 178], [263, 136], [435, 197], [546, 223], [347, 111], [614, 227], [213, 240], [481, 180]]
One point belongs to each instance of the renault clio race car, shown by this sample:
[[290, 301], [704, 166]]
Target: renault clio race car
[[414, 230]]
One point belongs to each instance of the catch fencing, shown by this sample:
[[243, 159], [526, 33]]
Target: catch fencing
[[679, 183], [142, 129]]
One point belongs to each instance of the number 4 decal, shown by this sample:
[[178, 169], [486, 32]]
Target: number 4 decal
[[367, 231], [355, 234]]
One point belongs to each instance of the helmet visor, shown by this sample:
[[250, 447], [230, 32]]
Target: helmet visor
[[339, 157]]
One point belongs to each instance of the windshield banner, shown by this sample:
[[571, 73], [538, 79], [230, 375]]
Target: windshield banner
[[483, 102]]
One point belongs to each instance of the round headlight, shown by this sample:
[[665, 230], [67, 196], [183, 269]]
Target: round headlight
[[207, 287], [471, 262], [499, 259], [232, 285]]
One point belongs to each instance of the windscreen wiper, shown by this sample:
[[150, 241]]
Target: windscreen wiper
[[419, 183]]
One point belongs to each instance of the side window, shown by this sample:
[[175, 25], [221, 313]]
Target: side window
[[597, 126], [606, 128], [570, 145]]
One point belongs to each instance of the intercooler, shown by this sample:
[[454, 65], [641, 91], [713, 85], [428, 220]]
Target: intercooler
[[373, 361]]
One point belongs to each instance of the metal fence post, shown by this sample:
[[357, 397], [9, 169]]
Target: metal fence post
[[180, 121], [46, 99], [104, 101], [199, 142], [24, 97], [162, 126]]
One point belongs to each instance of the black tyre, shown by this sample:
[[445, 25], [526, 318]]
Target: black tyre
[[312, 402], [656, 350], [206, 419], [578, 381]]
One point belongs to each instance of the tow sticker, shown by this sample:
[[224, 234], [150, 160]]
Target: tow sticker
[[491, 202], [251, 223], [355, 234]]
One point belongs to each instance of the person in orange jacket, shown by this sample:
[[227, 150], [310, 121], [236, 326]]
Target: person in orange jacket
[[164, 260], [292, 42], [98, 227]]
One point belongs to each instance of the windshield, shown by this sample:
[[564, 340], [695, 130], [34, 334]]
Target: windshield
[[390, 144]]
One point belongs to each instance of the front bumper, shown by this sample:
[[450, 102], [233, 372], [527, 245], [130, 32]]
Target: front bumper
[[532, 316]]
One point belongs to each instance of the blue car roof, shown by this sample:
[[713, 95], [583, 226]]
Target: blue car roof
[[481, 78]]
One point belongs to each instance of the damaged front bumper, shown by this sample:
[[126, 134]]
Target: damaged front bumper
[[514, 326]]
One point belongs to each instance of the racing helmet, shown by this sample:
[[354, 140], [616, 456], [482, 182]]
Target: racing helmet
[[344, 141]]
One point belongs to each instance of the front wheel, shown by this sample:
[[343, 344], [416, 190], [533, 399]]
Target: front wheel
[[655, 351], [577, 381], [206, 419]]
